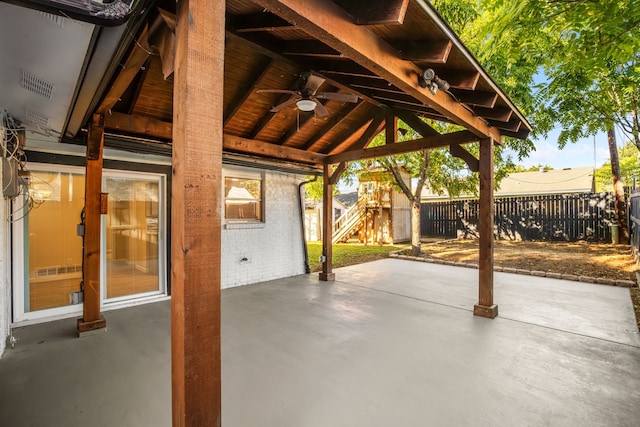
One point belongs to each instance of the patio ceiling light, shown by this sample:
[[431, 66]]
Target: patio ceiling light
[[306, 105]]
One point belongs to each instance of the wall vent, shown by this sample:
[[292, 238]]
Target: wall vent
[[36, 85], [36, 118], [56, 19]]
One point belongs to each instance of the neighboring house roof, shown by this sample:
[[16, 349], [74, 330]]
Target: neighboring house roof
[[557, 181], [348, 199], [569, 180]]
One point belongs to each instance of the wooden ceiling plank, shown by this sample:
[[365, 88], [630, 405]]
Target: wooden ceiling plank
[[512, 125], [436, 141], [385, 12], [135, 61], [475, 97], [326, 21], [260, 71], [304, 121], [431, 51], [138, 125], [501, 114], [331, 123], [375, 127], [249, 146], [139, 85], [309, 48], [345, 134]]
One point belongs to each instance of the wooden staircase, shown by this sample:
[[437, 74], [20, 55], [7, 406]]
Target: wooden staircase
[[351, 221]]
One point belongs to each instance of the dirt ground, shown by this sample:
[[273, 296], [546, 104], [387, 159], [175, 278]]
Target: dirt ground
[[578, 258]]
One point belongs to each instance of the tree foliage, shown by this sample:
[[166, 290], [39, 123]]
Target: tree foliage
[[629, 168]]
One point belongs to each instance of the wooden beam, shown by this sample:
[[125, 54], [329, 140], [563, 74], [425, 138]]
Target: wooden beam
[[512, 125], [429, 50], [416, 123], [163, 38], [327, 273], [345, 134], [196, 213], [460, 79], [249, 146], [486, 306], [139, 125], [461, 153], [374, 128], [91, 317], [391, 128], [384, 12], [259, 22], [311, 48], [436, 141], [337, 173], [252, 83], [135, 61]]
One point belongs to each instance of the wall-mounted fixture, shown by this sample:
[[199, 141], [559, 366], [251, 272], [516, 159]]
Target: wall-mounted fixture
[[106, 13], [429, 79]]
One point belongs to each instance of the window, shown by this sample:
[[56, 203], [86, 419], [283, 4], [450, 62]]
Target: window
[[243, 199]]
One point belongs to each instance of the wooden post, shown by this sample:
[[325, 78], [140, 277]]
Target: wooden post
[[91, 318], [196, 213], [327, 273], [485, 306]]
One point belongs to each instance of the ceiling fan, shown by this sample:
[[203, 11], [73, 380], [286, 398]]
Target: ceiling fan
[[306, 99]]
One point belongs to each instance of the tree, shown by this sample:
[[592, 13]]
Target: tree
[[629, 168], [586, 56]]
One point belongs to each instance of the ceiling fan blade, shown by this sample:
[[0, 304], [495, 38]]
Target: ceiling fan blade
[[321, 110], [335, 96], [285, 104], [314, 83], [292, 92]]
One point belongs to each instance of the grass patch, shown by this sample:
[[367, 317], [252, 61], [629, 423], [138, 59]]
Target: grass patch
[[349, 253]]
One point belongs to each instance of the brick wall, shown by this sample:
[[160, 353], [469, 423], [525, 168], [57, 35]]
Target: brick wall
[[254, 253]]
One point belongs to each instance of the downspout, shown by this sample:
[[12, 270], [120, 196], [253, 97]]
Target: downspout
[[307, 267]]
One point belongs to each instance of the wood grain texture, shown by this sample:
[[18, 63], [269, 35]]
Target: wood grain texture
[[485, 229], [196, 213], [327, 226], [92, 226]]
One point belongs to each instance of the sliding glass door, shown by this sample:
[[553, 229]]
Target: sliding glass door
[[48, 251]]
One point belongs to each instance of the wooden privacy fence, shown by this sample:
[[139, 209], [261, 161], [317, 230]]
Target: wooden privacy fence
[[634, 223], [564, 217]]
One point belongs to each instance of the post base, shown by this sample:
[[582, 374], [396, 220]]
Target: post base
[[90, 328], [483, 311], [327, 277]]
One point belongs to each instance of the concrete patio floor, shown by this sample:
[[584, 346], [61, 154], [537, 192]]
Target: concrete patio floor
[[391, 343]]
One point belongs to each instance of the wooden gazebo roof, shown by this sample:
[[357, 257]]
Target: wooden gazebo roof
[[373, 51]]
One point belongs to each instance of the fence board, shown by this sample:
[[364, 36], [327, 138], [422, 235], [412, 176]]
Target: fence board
[[560, 217]]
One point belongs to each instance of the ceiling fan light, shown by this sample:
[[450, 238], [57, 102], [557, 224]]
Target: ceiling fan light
[[306, 105]]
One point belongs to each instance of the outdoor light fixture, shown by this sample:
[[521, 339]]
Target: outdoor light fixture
[[429, 79], [306, 104]]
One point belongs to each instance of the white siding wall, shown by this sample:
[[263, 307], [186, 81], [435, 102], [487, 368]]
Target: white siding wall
[[5, 271], [272, 249]]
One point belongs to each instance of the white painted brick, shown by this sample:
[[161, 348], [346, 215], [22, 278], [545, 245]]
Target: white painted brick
[[273, 249]]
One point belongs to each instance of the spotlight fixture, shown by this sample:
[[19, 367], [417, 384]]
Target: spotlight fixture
[[429, 79], [306, 104]]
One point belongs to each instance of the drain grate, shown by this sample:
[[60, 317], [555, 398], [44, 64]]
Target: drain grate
[[36, 85]]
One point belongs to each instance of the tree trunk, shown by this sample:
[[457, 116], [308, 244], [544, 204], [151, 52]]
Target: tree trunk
[[618, 187], [415, 227]]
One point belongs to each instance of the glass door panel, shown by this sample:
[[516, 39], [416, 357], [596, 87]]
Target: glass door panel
[[53, 253], [132, 251]]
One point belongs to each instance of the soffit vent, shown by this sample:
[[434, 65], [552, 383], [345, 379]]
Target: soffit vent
[[36, 118], [56, 19], [36, 85]]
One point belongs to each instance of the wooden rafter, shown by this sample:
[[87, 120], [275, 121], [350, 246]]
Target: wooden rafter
[[512, 125], [460, 79], [326, 21], [334, 121], [134, 62], [139, 125], [374, 128], [436, 141], [311, 48], [259, 22], [462, 153], [477, 98], [344, 135], [416, 123], [386, 12], [430, 51], [502, 114]]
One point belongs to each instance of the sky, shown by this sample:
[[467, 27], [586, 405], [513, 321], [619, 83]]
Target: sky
[[573, 155]]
